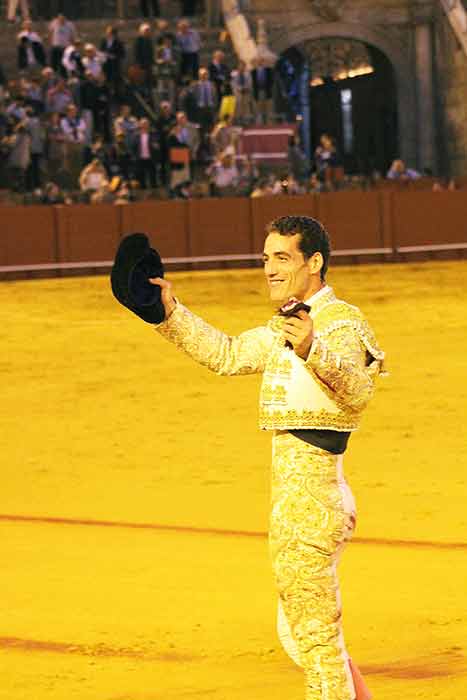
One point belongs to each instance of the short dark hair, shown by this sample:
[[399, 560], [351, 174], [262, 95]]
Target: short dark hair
[[313, 236]]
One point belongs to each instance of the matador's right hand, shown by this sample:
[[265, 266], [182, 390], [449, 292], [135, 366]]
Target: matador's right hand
[[167, 297]]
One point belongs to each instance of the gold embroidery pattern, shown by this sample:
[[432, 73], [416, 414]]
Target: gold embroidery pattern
[[278, 367], [308, 528], [273, 394], [291, 419], [243, 354]]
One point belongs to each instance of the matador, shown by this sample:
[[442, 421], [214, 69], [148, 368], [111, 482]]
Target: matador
[[319, 359]]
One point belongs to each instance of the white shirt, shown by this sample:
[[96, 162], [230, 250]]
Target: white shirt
[[144, 150]]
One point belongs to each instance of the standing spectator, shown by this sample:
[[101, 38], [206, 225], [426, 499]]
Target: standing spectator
[[164, 124], [179, 165], [145, 8], [147, 155], [189, 43], [37, 135], [143, 50], [263, 81], [54, 146], [121, 157], [326, 158], [188, 134], [223, 135], [75, 133], [114, 51], [219, 74], [242, 87], [62, 33], [19, 158], [30, 48], [58, 98], [93, 60], [206, 102], [127, 125], [2, 85], [33, 96], [101, 113], [298, 161], [48, 79], [72, 60], [13, 8], [164, 74], [165, 38], [186, 100]]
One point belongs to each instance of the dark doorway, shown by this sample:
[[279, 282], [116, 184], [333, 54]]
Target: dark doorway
[[360, 113]]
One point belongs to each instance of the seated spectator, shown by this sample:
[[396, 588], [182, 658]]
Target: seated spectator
[[224, 175], [189, 44], [314, 184], [93, 177], [219, 74], [183, 191], [52, 194], [242, 88], [263, 189], [399, 171], [31, 52], [33, 96]]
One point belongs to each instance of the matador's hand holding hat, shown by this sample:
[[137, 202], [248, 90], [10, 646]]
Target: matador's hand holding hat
[[136, 262]]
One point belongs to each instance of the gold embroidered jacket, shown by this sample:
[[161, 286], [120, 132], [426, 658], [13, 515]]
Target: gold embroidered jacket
[[329, 390]]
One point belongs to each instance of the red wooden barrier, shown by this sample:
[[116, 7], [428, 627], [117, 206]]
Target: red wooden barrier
[[219, 226], [429, 218], [27, 235], [87, 232], [166, 224], [353, 219]]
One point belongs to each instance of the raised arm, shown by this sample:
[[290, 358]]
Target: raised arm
[[219, 352]]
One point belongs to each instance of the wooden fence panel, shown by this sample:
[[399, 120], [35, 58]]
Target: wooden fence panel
[[166, 224], [353, 219], [220, 226], [429, 218], [88, 232], [27, 235]]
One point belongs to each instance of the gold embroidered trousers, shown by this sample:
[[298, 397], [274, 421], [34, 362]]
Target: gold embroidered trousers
[[312, 517]]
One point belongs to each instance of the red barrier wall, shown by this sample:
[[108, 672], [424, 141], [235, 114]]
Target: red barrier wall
[[27, 235], [219, 226], [166, 224], [353, 219], [88, 232], [427, 218]]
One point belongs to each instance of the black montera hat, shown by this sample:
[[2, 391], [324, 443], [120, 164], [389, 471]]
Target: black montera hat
[[135, 262]]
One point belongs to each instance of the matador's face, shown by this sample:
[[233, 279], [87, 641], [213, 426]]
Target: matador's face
[[287, 272]]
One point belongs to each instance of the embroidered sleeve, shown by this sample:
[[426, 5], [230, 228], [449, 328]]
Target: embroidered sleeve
[[340, 361], [221, 353]]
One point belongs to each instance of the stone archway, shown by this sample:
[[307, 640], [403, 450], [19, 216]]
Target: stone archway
[[395, 49]]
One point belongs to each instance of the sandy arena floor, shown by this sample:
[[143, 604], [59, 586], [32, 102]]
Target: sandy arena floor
[[135, 486]]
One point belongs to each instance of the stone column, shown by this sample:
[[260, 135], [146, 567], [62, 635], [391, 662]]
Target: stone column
[[424, 57]]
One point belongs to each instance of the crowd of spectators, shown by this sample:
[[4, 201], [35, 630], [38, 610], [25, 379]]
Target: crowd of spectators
[[113, 122]]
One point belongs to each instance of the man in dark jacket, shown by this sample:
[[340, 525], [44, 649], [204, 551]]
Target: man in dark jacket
[[114, 49], [30, 48], [143, 50], [146, 155], [263, 80]]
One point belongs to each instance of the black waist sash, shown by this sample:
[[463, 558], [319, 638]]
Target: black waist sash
[[330, 440]]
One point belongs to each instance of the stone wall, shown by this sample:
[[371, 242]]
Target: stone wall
[[451, 103]]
